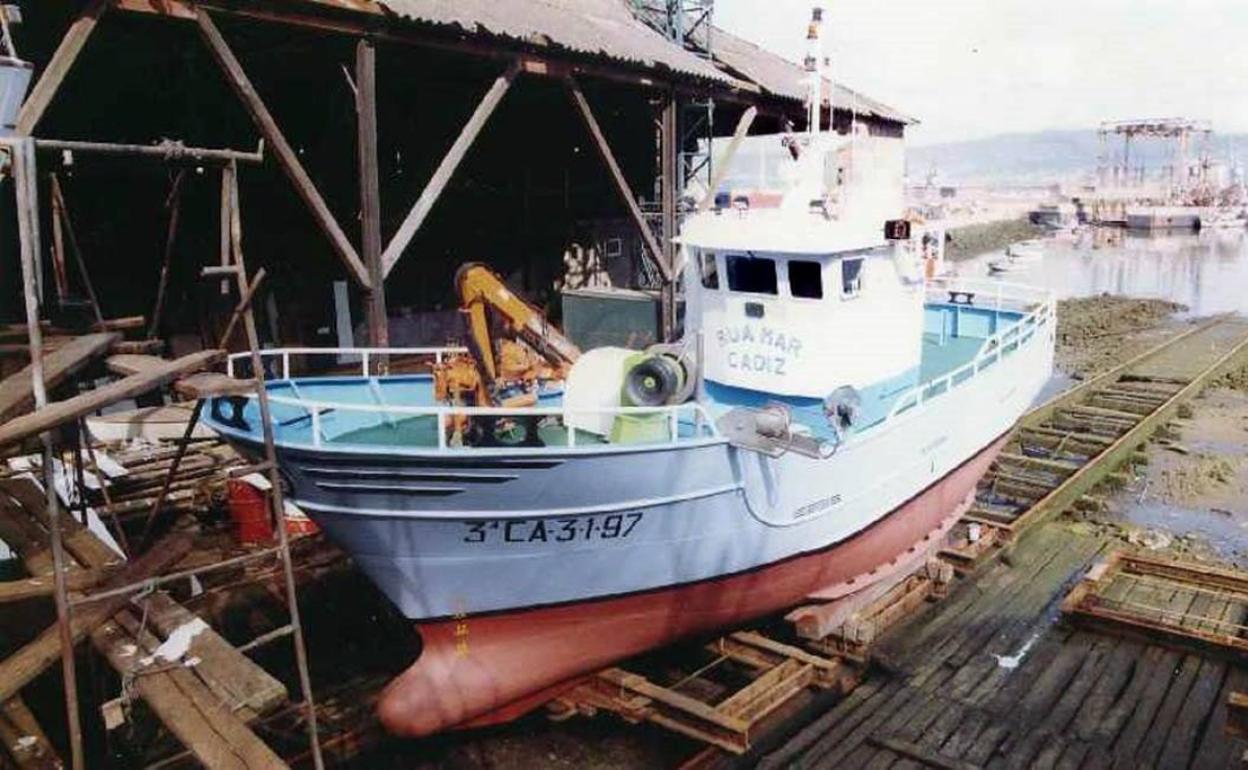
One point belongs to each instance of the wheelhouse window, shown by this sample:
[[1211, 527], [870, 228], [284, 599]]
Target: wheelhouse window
[[851, 277], [710, 270], [755, 275], [805, 279]]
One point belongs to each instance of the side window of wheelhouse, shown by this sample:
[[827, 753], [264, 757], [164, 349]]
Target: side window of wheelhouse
[[710, 270], [756, 275], [805, 279], [851, 277]]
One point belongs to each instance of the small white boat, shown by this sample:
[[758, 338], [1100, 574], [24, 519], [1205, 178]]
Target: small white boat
[[1025, 251]]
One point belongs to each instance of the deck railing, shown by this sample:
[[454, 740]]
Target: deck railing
[[1038, 309], [692, 413], [367, 355]]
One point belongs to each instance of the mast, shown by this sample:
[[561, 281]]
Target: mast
[[814, 64]]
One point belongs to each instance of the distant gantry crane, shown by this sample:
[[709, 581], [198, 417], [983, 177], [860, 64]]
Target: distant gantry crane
[[1180, 179]]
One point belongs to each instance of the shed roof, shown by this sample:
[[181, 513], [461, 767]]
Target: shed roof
[[604, 28], [781, 77]]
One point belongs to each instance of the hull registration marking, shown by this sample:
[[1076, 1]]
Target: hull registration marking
[[611, 527]]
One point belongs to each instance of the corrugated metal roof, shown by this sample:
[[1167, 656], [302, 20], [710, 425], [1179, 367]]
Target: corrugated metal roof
[[781, 77], [604, 28]]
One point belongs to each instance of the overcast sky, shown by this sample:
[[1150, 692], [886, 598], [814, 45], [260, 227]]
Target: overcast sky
[[971, 68]]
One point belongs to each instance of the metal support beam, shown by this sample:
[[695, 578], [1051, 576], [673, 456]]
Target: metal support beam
[[275, 481], [370, 190], [167, 151], [450, 162], [286, 156], [669, 153], [653, 250], [62, 60], [26, 189]]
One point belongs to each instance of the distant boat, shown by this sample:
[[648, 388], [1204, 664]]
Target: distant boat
[[1025, 251]]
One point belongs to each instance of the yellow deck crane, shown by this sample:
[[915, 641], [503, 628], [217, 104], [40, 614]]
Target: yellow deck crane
[[513, 349]]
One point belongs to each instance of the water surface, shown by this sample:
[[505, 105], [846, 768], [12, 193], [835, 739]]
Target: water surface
[[1206, 271]]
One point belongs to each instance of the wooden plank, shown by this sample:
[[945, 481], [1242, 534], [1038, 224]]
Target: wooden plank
[[62, 61], [16, 394], [210, 384], [24, 739], [217, 738], [43, 585], [653, 250], [60, 412], [285, 154], [918, 753], [446, 168], [1195, 711], [17, 670], [241, 684]]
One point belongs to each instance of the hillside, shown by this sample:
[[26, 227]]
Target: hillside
[[1041, 156]]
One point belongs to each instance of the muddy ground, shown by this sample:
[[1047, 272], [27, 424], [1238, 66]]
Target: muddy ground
[[973, 240], [1097, 333], [1186, 496]]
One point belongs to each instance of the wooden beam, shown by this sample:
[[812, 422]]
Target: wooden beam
[[59, 412], [25, 739], [653, 250], [60, 216], [243, 305], [62, 60], [43, 585], [286, 155], [370, 189], [20, 668], [174, 204], [16, 393], [450, 162], [724, 163]]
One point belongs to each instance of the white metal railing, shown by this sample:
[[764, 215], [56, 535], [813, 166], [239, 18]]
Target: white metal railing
[[1038, 307], [703, 425], [366, 356], [314, 409]]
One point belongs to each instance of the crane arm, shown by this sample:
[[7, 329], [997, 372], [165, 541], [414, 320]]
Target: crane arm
[[479, 288]]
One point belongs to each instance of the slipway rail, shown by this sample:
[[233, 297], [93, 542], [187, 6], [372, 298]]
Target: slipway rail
[[1062, 449]]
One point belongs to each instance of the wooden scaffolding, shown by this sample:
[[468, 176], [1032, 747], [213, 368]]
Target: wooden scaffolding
[[118, 606]]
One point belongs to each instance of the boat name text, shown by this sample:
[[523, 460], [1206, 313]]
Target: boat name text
[[743, 343]]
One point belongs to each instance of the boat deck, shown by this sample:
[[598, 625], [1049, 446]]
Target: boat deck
[[401, 412]]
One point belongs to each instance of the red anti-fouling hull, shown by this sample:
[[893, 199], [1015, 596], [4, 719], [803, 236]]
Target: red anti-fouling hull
[[481, 669]]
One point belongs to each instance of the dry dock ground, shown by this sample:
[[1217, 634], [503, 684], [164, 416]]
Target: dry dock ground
[[992, 678]]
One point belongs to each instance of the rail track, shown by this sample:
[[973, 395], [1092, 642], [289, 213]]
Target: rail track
[[1062, 449]]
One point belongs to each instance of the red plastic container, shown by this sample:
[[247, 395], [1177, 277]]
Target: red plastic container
[[249, 511]]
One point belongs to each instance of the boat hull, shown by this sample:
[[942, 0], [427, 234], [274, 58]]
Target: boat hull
[[477, 669]]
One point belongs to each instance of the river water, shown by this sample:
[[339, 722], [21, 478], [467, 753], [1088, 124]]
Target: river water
[[1207, 272]]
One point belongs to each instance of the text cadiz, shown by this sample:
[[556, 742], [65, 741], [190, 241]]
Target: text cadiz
[[743, 342]]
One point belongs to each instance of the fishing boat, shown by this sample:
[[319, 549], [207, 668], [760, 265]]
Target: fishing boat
[[540, 512]]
